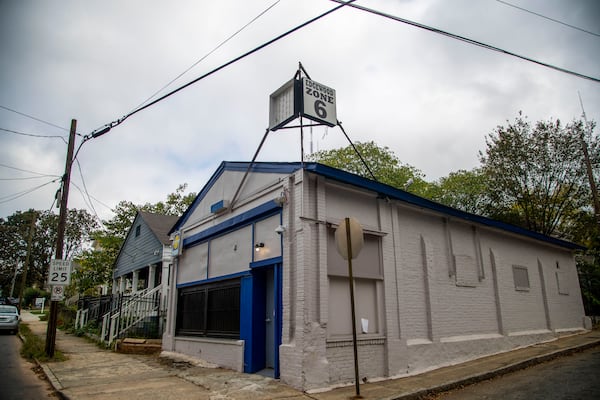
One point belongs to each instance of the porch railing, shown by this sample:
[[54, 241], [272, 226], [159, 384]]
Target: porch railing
[[138, 315]]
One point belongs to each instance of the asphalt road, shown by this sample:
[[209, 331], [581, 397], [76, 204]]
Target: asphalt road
[[569, 377], [18, 380]]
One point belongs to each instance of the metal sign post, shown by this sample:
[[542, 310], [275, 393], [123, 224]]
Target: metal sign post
[[348, 233]]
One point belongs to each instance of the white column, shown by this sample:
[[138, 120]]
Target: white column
[[122, 284], [151, 276], [136, 281], [115, 286]]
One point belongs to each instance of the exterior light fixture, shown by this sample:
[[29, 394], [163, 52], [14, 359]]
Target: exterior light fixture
[[259, 246]]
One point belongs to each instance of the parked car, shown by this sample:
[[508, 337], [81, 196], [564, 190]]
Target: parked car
[[9, 318]]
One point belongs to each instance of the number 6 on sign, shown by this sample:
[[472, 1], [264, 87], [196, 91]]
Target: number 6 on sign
[[59, 273], [318, 102]]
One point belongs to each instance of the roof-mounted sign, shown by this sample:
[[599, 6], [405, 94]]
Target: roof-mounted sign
[[318, 102], [302, 97]]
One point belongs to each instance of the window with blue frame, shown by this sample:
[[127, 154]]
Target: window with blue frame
[[211, 310]]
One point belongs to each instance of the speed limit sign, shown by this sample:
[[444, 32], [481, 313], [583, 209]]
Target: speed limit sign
[[59, 273]]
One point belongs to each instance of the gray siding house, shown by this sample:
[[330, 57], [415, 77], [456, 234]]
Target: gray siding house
[[145, 256]]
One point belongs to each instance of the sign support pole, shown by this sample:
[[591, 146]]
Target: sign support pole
[[60, 237], [351, 281]]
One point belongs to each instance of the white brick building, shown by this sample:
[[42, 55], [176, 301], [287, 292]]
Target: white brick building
[[435, 285]]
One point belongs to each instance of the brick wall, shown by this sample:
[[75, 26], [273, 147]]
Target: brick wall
[[448, 293]]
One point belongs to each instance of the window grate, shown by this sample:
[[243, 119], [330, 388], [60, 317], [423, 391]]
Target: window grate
[[209, 310]]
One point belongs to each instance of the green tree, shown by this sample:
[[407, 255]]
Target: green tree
[[464, 190], [95, 266], [384, 164], [125, 211], [536, 175], [14, 235]]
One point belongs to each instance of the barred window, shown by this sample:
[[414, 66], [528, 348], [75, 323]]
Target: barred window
[[211, 310]]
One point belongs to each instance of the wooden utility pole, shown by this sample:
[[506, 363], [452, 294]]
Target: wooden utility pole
[[60, 237], [588, 165]]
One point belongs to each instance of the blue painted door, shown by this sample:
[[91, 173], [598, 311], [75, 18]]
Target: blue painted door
[[270, 318]]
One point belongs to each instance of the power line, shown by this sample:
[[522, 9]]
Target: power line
[[34, 118], [209, 53], [14, 196], [548, 18], [30, 172], [467, 40], [95, 215], [25, 179], [107, 127], [86, 191], [34, 135]]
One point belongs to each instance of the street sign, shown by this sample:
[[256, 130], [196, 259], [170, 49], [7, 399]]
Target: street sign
[[59, 273], [58, 293]]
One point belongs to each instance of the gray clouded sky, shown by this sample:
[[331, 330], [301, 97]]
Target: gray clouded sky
[[430, 99]]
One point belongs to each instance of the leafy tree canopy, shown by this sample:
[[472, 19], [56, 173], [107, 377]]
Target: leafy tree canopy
[[464, 190], [175, 204], [536, 175], [384, 164], [15, 231], [95, 266]]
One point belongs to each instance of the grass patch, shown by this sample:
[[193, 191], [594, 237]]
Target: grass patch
[[43, 316], [35, 348]]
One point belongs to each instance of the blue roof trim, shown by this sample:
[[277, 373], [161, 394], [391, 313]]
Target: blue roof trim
[[215, 279], [364, 183], [270, 167], [266, 262], [266, 209], [397, 194]]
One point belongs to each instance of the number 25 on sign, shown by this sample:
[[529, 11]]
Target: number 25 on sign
[[59, 273]]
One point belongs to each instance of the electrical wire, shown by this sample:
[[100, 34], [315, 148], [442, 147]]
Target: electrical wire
[[34, 118], [86, 190], [25, 179], [34, 135], [548, 18], [209, 53], [14, 196], [107, 127], [466, 40], [30, 172], [95, 215]]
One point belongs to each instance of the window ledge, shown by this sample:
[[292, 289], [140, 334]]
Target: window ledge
[[363, 340], [203, 339]]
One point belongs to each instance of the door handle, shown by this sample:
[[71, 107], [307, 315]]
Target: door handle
[[268, 320]]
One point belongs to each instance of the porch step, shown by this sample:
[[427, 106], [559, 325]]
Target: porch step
[[139, 346]]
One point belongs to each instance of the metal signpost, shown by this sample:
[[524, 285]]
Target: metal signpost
[[349, 240]]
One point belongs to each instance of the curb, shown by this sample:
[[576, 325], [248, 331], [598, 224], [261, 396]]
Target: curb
[[469, 380], [54, 382]]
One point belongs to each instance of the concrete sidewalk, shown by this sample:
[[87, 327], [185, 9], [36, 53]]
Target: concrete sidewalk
[[94, 373]]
